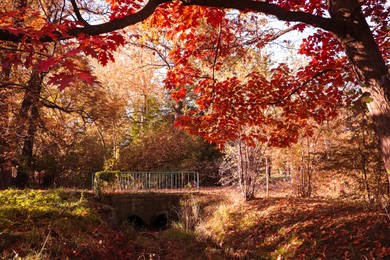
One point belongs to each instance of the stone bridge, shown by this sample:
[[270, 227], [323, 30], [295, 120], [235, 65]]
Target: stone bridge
[[145, 209]]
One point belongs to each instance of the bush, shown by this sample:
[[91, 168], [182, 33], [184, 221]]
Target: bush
[[105, 181]]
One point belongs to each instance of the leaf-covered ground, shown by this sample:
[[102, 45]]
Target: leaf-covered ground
[[62, 224], [295, 228]]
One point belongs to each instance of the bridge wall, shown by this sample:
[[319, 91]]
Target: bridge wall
[[146, 206]]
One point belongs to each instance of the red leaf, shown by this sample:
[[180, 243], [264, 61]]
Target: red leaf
[[87, 77], [179, 94], [45, 65], [62, 79]]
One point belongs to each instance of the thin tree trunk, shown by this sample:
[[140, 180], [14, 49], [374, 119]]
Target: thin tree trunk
[[241, 170], [366, 184], [388, 184], [303, 183], [267, 175]]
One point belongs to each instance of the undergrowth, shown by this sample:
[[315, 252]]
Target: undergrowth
[[61, 224], [51, 224]]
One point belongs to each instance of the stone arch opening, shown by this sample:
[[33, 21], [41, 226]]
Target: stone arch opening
[[136, 221], [160, 221]]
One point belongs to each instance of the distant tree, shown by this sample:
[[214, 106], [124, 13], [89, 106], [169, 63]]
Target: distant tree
[[242, 166], [165, 148], [352, 154]]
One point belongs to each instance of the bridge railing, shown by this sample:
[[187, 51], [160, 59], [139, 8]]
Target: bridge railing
[[145, 181]]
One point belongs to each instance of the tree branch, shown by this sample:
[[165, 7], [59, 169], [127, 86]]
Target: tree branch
[[78, 14], [267, 8], [116, 24], [48, 104], [216, 51], [318, 74]]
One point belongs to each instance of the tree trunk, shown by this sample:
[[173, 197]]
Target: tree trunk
[[368, 64], [29, 116], [267, 175], [240, 170]]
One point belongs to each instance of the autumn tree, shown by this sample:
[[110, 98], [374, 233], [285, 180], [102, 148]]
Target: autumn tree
[[29, 80], [351, 159], [148, 141], [344, 48], [243, 166], [85, 127], [303, 158], [340, 159]]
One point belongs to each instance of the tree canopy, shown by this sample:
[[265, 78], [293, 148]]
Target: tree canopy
[[351, 44]]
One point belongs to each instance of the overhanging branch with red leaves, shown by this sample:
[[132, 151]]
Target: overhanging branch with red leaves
[[327, 24]]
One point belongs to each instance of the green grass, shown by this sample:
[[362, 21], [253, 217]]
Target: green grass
[[49, 224]]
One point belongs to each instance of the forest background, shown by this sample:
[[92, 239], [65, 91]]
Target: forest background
[[72, 111]]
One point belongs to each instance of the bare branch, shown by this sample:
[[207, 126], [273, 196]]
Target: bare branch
[[78, 14], [155, 50]]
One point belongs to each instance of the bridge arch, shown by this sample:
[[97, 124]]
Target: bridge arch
[[155, 210], [136, 221], [160, 219]]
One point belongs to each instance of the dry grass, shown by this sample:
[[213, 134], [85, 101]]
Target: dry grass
[[295, 228]]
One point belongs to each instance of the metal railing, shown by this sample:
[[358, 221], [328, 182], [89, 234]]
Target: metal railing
[[138, 181]]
